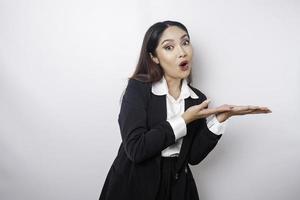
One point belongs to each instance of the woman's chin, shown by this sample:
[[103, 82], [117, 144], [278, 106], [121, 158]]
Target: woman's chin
[[185, 74]]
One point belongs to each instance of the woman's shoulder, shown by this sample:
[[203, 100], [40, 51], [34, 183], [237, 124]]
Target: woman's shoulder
[[139, 84], [136, 89], [140, 88], [137, 81]]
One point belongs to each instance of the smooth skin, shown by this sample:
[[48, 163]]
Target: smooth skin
[[174, 46]]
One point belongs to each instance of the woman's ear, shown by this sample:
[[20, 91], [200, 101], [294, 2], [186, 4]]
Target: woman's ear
[[155, 59]]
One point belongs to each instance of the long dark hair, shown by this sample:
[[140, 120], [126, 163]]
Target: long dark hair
[[146, 70]]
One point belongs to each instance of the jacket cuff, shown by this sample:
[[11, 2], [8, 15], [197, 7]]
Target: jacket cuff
[[179, 126]]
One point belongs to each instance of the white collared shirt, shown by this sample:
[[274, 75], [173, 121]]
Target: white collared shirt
[[174, 110]]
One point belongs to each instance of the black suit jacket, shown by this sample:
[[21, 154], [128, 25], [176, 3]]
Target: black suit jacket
[[135, 172]]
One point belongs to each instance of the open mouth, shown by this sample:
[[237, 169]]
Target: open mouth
[[184, 65]]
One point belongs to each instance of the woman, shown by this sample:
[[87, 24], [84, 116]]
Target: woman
[[165, 123]]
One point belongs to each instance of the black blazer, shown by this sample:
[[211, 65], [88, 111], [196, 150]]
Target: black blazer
[[135, 172]]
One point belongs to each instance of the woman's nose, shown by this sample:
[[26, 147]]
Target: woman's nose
[[181, 51]]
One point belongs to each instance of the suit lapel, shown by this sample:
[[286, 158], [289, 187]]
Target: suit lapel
[[157, 110]]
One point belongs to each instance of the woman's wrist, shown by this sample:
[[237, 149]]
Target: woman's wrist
[[221, 117], [186, 118]]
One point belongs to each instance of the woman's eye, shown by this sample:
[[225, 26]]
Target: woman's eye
[[187, 42], [168, 47]]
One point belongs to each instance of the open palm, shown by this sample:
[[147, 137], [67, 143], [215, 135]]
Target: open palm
[[242, 110]]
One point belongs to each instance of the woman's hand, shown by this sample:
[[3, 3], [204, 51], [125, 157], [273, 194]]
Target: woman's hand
[[241, 110], [202, 111]]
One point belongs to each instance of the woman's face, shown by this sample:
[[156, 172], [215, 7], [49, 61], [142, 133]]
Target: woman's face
[[173, 48]]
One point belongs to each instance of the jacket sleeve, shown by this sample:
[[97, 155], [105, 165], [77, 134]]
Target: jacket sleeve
[[203, 141], [141, 143]]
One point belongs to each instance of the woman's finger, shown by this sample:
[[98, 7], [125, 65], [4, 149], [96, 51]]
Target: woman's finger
[[204, 104], [254, 111], [241, 110], [211, 111], [261, 111], [265, 108], [253, 107], [223, 108]]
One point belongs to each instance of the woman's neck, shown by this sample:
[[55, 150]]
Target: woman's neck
[[174, 86]]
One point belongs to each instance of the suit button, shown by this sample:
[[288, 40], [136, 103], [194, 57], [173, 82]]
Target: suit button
[[176, 176], [186, 170]]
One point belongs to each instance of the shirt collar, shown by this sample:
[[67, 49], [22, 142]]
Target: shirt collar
[[161, 88]]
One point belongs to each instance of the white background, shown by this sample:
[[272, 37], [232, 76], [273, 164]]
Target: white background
[[64, 65]]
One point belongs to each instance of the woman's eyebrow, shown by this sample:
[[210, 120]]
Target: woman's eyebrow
[[172, 39]]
